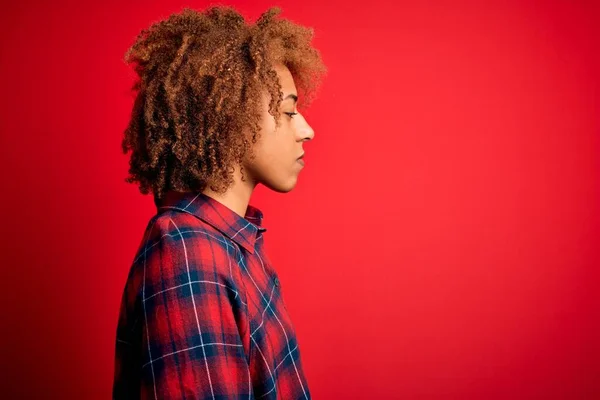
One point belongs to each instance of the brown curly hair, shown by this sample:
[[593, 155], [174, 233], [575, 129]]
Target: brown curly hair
[[198, 102]]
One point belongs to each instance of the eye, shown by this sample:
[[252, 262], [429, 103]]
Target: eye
[[291, 114]]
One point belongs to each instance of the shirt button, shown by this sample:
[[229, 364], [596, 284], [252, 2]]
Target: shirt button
[[276, 281]]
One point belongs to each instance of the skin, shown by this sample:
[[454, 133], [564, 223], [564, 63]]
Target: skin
[[277, 163]]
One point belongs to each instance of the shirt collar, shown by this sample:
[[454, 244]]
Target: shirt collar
[[243, 231]]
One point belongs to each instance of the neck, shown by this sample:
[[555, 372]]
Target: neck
[[237, 196]]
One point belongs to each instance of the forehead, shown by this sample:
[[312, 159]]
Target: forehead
[[286, 80]]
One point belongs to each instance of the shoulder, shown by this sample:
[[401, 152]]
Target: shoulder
[[178, 248], [181, 229]]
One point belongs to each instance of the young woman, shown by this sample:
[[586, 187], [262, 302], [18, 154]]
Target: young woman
[[202, 314]]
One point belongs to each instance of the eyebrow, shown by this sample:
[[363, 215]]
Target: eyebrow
[[293, 97]]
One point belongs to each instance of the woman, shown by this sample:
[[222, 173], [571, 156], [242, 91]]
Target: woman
[[202, 313]]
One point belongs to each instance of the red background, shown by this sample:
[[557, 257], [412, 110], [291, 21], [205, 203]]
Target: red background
[[442, 242]]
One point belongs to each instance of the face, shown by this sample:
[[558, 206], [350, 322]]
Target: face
[[278, 150]]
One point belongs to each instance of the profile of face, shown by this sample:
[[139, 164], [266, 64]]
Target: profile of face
[[278, 151]]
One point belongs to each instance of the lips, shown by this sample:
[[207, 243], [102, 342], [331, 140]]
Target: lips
[[300, 159]]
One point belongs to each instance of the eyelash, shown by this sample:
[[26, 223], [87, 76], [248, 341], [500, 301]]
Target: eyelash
[[291, 114]]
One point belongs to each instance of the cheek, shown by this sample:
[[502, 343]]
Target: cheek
[[271, 159], [274, 161], [265, 157], [274, 148]]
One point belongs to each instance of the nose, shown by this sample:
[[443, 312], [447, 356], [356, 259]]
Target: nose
[[305, 131]]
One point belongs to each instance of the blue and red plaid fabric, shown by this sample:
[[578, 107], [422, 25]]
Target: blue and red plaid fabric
[[202, 313]]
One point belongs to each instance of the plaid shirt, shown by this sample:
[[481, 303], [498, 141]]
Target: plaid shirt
[[202, 313]]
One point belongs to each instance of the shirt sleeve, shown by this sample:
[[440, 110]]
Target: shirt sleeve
[[192, 321]]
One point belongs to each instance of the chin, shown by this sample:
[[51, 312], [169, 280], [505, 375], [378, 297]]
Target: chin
[[282, 186]]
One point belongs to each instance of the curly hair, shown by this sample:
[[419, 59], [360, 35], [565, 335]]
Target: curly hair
[[200, 79]]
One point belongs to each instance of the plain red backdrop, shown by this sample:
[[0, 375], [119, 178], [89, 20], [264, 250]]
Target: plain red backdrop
[[442, 243]]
